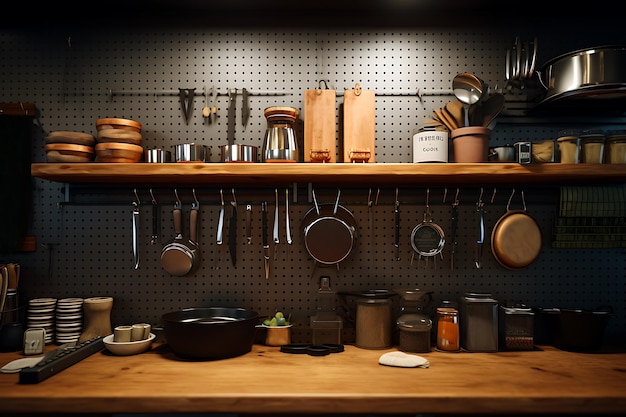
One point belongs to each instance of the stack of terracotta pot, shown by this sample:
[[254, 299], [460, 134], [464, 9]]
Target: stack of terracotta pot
[[69, 146]]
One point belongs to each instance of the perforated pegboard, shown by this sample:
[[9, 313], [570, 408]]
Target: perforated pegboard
[[85, 240]]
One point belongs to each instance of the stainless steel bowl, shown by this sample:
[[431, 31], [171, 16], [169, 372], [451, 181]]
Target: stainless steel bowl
[[239, 153], [191, 152], [157, 156]]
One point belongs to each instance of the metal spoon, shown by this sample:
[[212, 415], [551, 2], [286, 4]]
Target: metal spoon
[[468, 89]]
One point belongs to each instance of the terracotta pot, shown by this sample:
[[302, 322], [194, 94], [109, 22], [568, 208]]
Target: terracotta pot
[[471, 144]]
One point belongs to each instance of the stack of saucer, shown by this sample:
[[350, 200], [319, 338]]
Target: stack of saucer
[[69, 320], [40, 314]]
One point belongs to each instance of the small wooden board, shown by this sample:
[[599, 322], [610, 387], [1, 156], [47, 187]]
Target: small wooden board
[[319, 125], [359, 125]]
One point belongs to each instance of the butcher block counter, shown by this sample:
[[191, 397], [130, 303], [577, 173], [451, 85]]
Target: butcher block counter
[[267, 381]]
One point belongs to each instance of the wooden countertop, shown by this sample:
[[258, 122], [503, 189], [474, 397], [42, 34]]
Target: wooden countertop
[[268, 381]]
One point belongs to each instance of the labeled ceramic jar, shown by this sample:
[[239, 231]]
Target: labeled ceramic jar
[[430, 144]]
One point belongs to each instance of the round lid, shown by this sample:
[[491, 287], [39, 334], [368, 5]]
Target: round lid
[[416, 325], [118, 121], [289, 114]]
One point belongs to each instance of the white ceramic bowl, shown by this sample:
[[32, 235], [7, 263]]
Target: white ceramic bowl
[[128, 348]]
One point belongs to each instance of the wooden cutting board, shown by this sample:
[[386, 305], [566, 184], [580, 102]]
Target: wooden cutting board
[[319, 125], [359, 125]]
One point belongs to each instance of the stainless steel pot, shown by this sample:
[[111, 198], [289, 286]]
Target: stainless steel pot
[[594, 73]]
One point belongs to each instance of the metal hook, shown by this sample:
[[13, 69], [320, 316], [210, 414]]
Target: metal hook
[[456, 197], [320, 84], [510, 198], [232, 190], [177, 199], [369, 198], [427, 198], [222, 197], [445, 195], [480, 197], [152, 197], [377, 195], [493, 196], [195, 199], [137, 201]]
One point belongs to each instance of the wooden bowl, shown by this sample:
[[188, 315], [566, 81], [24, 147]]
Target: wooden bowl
[[118, 152], [66, 136], [68, 152], [116, 123], [119, 135]]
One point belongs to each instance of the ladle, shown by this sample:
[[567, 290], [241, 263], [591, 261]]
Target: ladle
[[468, 89]]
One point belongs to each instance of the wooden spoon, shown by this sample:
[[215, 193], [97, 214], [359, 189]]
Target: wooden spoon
[[454, 109], [206, 110], [492, 108]]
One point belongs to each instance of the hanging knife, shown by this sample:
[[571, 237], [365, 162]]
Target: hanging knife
[[231, 117], [220, 221], [266, 245], [245, 107], [455, 221], [397, 227], [135, 233], [481, 233], [249, 224], [232, 233], [155, 220], [287, 222]]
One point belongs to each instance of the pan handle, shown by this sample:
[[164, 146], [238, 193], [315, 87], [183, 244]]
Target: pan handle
[[336, 202], [193, 219]]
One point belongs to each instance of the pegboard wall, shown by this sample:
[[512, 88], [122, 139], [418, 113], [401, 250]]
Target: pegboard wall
[[84, 234]]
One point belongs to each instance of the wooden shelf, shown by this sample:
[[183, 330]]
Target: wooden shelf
[[281, 174]]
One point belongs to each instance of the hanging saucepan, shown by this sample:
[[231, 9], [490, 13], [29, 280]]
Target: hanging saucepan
[[180, 256], [428, 238], [330, 232], [516, 238]]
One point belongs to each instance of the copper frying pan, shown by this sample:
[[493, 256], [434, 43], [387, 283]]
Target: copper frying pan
[[516, 238]]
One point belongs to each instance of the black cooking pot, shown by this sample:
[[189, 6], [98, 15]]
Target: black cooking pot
[[581, 330], [211, 332]]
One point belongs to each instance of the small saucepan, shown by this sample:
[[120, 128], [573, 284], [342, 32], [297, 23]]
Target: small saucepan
[[181, 256], [330, 232], [239, 153]]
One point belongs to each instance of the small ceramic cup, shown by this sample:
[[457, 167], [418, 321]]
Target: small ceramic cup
[[122, 334], [140, 331]]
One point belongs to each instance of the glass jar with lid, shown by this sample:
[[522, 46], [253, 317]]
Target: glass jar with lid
[[592, 146], [569, 146], [615, 147], [448, 336]]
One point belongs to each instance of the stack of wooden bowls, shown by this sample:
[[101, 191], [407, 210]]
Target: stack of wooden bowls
[[69, 146], [119, 140]]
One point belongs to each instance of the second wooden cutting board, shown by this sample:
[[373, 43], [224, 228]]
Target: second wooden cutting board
[[359, 125]]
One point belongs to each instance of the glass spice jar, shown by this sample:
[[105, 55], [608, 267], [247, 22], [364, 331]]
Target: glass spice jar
[[448, 328]]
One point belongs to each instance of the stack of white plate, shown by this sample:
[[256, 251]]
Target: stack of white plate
[[41, 314], [69, 320]]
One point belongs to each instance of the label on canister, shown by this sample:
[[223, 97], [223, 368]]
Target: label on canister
[[430, 146]]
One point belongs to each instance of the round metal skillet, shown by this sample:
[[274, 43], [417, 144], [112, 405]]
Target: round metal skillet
[[516, 238]]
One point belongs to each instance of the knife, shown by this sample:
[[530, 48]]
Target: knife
[[214, 106], [481, 234], [266, 245], [245, 107], [397, 227], [249, 224], [231, 117], [232, 234], [135, 234], [455, 221]]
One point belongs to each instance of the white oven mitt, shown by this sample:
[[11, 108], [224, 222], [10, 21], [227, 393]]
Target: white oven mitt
[[19, 364], [403, 360]]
